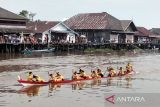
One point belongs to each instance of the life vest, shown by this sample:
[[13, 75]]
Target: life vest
[[30, 78], [59, 78], [129, 68], [100, 74], [121, 72], [51, 78], [82, 74], [94, 75], [113, 73], [75, 77], [39, 79]]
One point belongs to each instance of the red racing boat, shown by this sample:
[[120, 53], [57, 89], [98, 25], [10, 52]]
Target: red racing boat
[[30, 83]]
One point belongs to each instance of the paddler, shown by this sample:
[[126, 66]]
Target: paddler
[[30, 76], [99, 72], [112, 72], [94, 74], [75, 76], [37, 78], [129, 68], [58, 77], [82, 74], [51, 77], [121, 72]]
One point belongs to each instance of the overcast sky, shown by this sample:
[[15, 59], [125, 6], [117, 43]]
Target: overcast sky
[[143, 12]]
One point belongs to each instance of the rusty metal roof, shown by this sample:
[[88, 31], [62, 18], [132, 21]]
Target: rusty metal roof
[[15, 30], [155, 31], [142, 31], [94, 21], [41, 26]]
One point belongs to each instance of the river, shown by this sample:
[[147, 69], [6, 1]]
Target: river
[[81, 94]]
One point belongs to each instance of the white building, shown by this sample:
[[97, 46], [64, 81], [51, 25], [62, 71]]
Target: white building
[[52, 31]]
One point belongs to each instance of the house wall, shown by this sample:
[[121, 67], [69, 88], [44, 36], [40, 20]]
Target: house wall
[[143, 40], [95, 36], [114, 38], [121, 38], [154, 40], [12, 24], [102, 36], [129, 39], [70, 36]]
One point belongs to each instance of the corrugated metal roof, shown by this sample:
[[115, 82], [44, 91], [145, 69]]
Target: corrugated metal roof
[[155, 31], [97, 21], [41, 26], [15, 30], [142, 31], [5, 14], [125, 24]]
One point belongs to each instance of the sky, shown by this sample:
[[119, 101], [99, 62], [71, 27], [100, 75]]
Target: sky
[[143, 12]]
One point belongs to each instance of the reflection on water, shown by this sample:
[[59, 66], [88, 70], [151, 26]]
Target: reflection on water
[[79, 85], [53, 87], [121, 83], [125, 82], [78, 93], [30, 91]]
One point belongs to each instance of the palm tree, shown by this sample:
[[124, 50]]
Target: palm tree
[[31, 16], [24, 13]]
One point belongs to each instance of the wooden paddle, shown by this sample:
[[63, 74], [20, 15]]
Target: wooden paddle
[[105, 72]]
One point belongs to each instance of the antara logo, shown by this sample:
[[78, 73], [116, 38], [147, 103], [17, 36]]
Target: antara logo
[[112, 99]]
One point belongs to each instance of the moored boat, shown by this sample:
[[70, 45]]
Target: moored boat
[[44, 50], [49, 50]]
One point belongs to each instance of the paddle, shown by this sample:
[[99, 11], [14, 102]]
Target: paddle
[[48, 73], [105, 71], [19, 77], [72, 71]]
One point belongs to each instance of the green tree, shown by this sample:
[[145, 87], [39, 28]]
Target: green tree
[[24, 13]]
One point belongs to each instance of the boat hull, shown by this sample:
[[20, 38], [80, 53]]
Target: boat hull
[[27, 52], [28, 83]]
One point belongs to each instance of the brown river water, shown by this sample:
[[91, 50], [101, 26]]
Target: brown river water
[[81, 94]]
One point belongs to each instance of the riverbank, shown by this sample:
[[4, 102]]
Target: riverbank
[[18, 48]]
